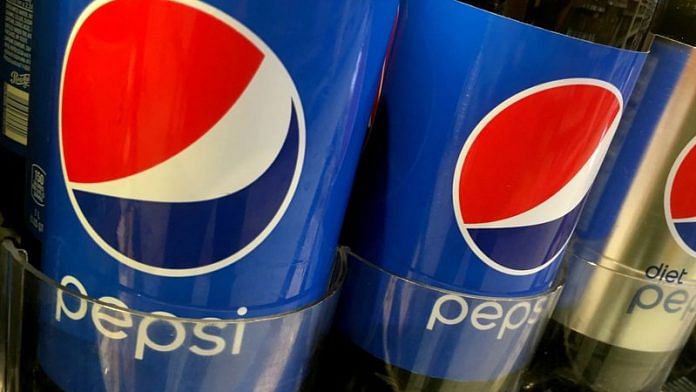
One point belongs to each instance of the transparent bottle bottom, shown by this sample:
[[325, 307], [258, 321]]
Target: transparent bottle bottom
[[570, 361], [398, 335], [55, 339], [612, 331], [371, 374]]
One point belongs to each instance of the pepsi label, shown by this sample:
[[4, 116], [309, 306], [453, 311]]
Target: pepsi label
[[195, 145], [652, 312], [141, 351], [196, 160], [477, 193], [493, 198], [236, 146], [481, 188], [433, 332]]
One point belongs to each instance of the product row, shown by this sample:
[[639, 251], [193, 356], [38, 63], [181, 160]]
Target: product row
[[364, 195]]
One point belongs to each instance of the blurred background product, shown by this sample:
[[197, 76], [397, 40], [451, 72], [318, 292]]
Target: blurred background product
[[15, 75]]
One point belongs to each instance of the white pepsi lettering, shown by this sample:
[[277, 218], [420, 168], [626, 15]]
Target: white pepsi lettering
[[436, 314], [663, 272], [238, 338], [539, 309], [508, 325], [217, 341], [485, 315], [478, 315], [145, 340], [239, 332], [117, 320], [61, 307], [114, 324]]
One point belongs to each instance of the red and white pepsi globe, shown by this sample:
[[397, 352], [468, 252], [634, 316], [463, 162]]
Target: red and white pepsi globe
[[514, 220], [177, 162]]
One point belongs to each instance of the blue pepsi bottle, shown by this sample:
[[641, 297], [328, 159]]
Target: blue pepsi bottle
[[205, 149], [494, 119]]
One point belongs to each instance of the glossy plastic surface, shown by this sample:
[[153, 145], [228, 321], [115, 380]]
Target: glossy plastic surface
[[125, 350], [421, 338], [625, 341], [202, 147], [489, 135]]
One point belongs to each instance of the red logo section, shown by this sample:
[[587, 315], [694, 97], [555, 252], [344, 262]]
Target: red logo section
[[187, 77], [532, 149], [680, 199], [683, 193], [526, 168]]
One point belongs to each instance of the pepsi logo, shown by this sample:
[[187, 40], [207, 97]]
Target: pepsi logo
[[182, 134], [525, 170], [680, 199]]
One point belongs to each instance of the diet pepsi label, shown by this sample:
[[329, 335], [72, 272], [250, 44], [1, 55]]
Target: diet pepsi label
[[480, 189], [197, 159], [647, 306]]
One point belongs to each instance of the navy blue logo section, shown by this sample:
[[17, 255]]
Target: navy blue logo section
[[199, 232], [187, 164], [524, 240]]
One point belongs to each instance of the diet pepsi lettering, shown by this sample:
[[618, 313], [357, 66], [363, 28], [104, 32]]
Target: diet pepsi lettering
[[197, 161], [640, 230], [485, 147]]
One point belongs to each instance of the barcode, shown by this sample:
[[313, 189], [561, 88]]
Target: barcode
[[16, 125]]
